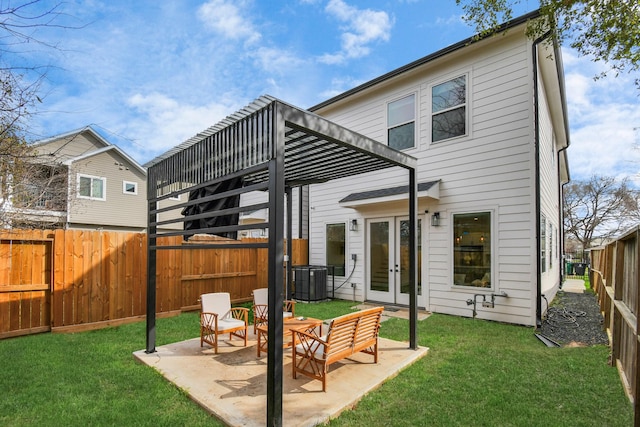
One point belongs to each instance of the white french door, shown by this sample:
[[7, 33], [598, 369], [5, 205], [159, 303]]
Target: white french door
[[388, 260]]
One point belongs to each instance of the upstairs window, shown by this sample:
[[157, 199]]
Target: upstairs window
[[449, 109], [401, 123], [129, 187], [91, 187]]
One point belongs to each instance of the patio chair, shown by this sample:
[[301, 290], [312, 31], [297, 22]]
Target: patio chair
[[261, 307], [218, 317]]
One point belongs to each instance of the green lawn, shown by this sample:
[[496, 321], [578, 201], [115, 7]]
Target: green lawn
[[477, 373]]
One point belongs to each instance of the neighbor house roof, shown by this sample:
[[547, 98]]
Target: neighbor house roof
[[107, 146]]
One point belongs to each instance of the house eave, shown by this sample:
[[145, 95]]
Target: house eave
[[424, 60]]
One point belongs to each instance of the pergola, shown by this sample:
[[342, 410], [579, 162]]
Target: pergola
[[267, 146]]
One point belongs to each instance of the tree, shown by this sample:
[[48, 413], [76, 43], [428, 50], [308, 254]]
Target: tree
[[28, 182], [606, 30], [596, 209]]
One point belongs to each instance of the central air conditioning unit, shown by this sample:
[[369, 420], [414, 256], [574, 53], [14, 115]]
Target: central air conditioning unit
[[310, 282]]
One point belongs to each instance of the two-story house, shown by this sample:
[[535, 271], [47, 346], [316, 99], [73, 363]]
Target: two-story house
[[487, 121], [102, 186]]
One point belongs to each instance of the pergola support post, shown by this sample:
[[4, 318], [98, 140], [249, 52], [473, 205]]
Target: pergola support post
[[289, 242], [151, 279], [276, 277], [413, 260]]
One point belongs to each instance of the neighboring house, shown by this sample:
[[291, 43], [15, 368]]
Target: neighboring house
[[486, 120], [104, 187]]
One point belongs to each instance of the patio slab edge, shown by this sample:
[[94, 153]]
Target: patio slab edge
[[231, 385]]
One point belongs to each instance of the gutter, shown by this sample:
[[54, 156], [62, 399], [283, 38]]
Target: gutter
[[538, 209], [415, 64]]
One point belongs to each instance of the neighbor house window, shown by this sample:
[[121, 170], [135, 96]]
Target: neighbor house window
[[129, 187], [336, 248], [449, 109], [401, 123], [91, 187], [472, 249], [543, 244]]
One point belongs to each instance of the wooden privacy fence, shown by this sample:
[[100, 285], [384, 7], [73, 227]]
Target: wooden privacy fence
[[80, 279], [614, 277]]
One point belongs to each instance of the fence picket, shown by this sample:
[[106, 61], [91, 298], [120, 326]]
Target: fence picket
[[83, 277]]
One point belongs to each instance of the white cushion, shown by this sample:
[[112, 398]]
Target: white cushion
[[224, 324], [317, 348]]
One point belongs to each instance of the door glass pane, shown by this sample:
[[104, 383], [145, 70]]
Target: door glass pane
[[404, 256], [379, 249]]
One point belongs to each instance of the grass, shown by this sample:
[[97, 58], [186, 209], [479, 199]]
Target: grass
[[477, 373]]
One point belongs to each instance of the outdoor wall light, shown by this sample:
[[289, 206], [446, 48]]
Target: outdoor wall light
[[353, 225], [435, 219]]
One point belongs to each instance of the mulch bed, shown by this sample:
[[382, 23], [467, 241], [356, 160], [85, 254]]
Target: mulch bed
[[574, 319]]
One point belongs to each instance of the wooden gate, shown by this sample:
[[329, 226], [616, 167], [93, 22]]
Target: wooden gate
[[26, 277]]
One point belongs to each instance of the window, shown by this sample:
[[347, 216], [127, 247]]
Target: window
[[91, 187], [472, 249], [336, 248], [448, 109], [129, 187], [550, 246], [400, 123], [543, 244]]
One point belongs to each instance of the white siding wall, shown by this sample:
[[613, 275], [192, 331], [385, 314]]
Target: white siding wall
[[492, 168], [549, 197]]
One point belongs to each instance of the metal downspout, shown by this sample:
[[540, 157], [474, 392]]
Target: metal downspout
[[538, 210]]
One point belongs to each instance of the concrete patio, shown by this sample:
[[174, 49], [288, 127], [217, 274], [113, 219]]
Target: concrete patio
[[232, 385]]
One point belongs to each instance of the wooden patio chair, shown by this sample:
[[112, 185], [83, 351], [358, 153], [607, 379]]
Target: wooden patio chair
[[218, 317], [261, 307]]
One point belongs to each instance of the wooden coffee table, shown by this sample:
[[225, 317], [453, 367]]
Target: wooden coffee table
[[287, 324]]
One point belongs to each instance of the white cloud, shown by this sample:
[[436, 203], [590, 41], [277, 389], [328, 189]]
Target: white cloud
[[451, 20], [165, 122], [362, 27], [227, 19], [274, 60]]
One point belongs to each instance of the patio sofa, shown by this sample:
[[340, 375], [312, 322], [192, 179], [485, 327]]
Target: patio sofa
[[348, 335]]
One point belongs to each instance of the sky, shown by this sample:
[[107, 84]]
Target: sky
[[149, 74]]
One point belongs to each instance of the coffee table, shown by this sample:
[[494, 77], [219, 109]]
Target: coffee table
[[288, 324]]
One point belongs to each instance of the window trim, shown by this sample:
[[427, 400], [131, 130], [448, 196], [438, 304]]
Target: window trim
[[130, 193], [543, 244], [492, 246], [450, 77], [92, 177], [397, 125], [346, 245]]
